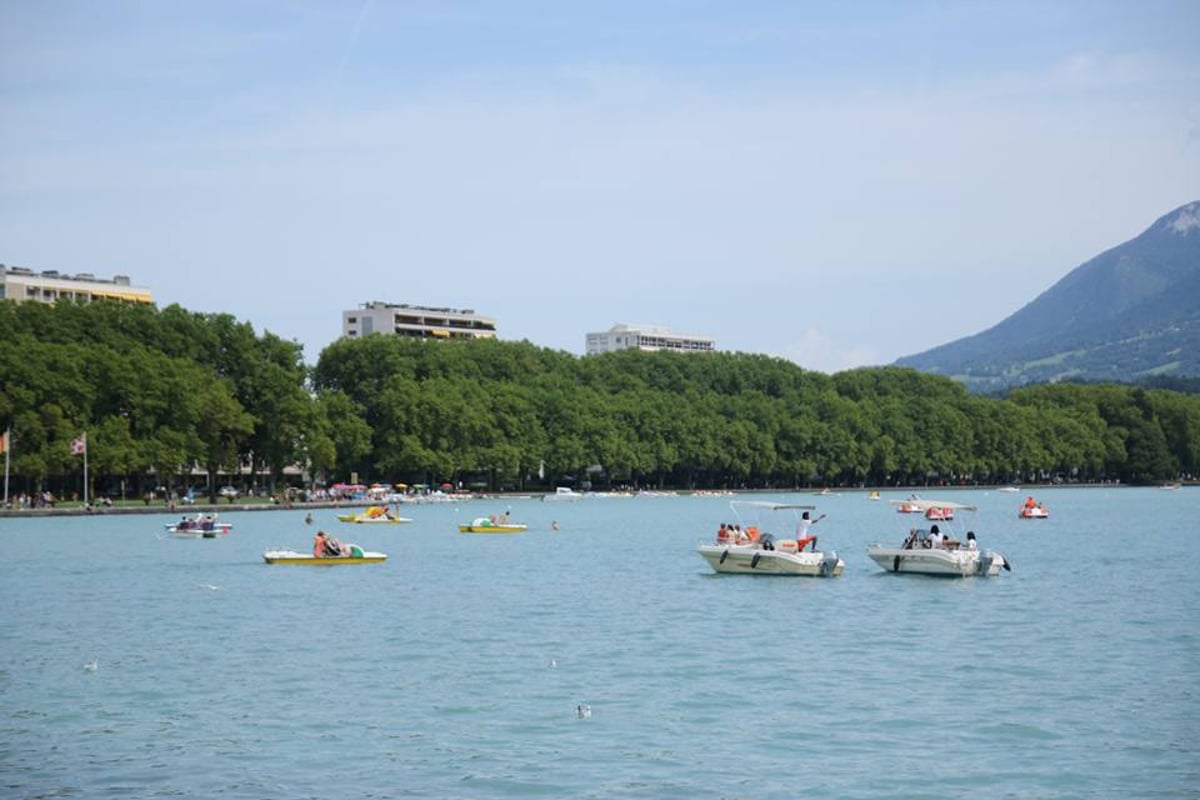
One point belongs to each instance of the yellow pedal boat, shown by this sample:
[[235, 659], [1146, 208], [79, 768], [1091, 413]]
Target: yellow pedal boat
[[486, 525], [357, 556]]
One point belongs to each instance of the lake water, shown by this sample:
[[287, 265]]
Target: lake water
[[456, 668]]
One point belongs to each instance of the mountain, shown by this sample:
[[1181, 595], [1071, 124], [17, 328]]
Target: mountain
[[1128, 314]]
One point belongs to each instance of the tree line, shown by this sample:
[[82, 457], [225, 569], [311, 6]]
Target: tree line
[[163, 392]]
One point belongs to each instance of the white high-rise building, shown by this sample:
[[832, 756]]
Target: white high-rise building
[[418, 321], [647, 337], [47, 286]]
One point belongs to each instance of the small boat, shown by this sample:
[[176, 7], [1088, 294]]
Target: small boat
[[489, 525], [563, 493], [926, 552], [873, 494], [910, 506], [760, 553], [1033, 510], [1170, 487], [355, 555], [374, 515], [1008, 489], [201, 526], [939, 513]]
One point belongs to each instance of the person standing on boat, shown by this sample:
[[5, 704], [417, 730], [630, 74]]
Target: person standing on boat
[[803, 537], [971, 545]]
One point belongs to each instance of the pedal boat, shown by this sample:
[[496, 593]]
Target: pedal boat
[[485, 525], [375, 515], [1033, 512], [201, 526], [357, 556]]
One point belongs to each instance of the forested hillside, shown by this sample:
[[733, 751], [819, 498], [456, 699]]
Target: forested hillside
[[1129, 313], [160, 392]]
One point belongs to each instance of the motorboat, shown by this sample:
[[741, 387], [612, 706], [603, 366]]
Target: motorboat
[[1008, 489], [354, 555], [200, 526], [490, 525], [910, 506], [374, 515], [563, 493], [926, 552], [755, 551]]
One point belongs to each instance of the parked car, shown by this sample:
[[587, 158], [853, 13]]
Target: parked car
[[229, 491]]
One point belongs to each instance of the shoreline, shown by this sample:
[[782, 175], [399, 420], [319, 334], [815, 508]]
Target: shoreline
[[219, 508]]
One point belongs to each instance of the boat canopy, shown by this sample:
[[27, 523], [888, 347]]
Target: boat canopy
[[925, 505], [768, 505]]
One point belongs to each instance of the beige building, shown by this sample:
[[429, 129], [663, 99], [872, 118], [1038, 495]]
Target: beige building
[[47, 286], [646, 337], [418, 321]]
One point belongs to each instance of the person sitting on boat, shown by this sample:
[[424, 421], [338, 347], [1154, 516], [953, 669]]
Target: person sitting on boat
[[803, 537], [971, 545], [935, 537], [724, 534], [1029, 502], [319, 545], [184, 524], [334, 548]]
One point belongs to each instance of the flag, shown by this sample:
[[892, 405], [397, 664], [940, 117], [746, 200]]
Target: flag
[[79, 445], [4, 442]]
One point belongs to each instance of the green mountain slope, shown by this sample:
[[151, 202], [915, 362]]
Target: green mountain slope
[[1129, 313]]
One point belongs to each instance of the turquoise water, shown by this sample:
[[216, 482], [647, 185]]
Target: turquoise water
[[456, 668]]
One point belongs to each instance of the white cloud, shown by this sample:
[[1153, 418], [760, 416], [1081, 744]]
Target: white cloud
[[814, 350]]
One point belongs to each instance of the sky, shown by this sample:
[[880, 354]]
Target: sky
[[840, 184]]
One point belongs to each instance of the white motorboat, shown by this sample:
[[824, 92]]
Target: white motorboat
[[564, 493], [756, 551], [925, 552]]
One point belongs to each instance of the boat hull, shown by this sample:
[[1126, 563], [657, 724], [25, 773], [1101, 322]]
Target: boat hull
[[752, 560], [309, 560], [935, 561], [1033, 513]]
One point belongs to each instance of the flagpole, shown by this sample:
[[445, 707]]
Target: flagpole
[[7, 447], [85, 470]]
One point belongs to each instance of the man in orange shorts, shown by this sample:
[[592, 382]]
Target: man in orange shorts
[[803, 537]]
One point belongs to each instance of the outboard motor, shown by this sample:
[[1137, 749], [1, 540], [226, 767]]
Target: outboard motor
[[985, 562], [829, 563]]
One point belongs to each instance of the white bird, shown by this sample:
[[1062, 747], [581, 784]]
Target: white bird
[[583, 711], [91, 666]]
